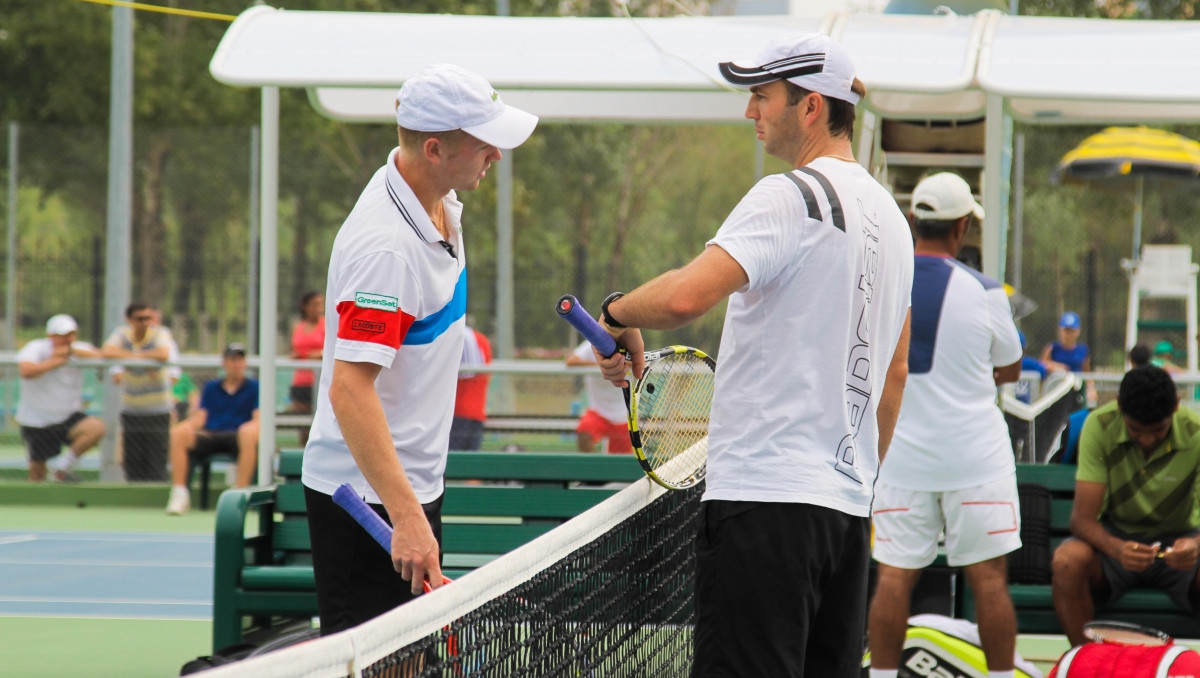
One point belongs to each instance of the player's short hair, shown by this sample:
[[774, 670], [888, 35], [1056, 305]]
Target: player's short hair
[[307, 297], [413, 140], [841, 112], [1147, 395], [933, 229], [1139, 355], [136, 306]]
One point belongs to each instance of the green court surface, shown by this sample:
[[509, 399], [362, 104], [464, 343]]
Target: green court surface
[[36, 647]]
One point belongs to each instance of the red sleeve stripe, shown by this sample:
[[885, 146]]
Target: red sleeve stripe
[[372, 325]]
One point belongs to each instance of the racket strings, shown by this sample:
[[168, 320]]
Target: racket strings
[[674, 401]]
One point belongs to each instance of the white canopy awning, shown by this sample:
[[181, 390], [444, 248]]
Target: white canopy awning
[[570, 68], [1056, 70]]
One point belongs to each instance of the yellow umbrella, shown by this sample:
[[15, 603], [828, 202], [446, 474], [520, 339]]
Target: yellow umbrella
[[1120, 154]]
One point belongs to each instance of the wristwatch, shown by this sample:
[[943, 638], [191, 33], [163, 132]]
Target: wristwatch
[[605, 316]]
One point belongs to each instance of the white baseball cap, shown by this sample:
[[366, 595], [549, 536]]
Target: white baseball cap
[[61, 324], [446, 97], [814, 61], [944, 196]]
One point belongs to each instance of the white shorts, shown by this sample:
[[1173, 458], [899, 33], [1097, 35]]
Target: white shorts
[[980, 523]]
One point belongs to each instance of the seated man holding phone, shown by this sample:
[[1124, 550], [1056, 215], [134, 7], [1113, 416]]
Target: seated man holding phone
[[1136, 517], [226, 422]]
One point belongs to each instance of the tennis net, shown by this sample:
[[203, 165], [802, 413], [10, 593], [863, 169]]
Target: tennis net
[[607, 594]]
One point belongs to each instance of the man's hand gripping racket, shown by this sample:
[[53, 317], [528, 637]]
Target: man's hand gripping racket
[[364, 515], [668, 405]]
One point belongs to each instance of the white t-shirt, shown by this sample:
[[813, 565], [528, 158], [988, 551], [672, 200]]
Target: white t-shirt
[[53, 396], [606, 399], [951, 434], [808, 341], [396, 297]]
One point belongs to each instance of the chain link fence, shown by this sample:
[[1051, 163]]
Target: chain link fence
[[596, 208]]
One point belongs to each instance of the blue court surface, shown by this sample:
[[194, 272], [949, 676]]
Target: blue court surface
[[105, 575]]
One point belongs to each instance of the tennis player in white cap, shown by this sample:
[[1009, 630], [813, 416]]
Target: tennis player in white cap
[[396, 296], [817, 266]]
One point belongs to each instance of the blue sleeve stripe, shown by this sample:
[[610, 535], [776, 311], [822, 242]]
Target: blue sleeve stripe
[[428, 329]]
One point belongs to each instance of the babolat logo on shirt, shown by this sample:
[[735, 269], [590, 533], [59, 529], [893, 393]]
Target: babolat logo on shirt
[[379, 302]]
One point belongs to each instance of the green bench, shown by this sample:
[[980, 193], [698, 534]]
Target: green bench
[[263, 564], [1034, 603]]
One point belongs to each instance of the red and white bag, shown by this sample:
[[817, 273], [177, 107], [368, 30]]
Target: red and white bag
[[1111, 660]]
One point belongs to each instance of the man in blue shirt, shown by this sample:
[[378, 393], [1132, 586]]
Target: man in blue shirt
[[226, 422]]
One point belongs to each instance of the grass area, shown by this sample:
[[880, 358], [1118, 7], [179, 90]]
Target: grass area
[[100, 648]]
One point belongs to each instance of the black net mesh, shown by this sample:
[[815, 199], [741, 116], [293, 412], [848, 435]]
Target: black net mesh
[[620, 605]]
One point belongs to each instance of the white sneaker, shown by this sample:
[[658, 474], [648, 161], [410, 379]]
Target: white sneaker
[[180, 501]]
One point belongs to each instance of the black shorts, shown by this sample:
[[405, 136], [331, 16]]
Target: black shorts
[[146, 438], [1175, 583], [210, 443], [781, 591], [355, 578], [301, 396], [466, 434], [47, 442]]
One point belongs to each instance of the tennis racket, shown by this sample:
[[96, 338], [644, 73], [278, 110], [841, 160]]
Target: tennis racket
[[364, 515], [668, 407], [1124, 633]]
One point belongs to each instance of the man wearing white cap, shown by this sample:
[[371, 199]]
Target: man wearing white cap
[[396, 298], [50, 411], [817, 266], [951, 466]]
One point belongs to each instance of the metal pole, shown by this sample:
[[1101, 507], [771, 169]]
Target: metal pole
[[252, 286], [269, 283], [10, 288], [120, 210], [1139, 186], [1018, 210]]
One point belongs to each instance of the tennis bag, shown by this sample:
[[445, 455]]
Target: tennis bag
[[936, 646], [1112, 660]]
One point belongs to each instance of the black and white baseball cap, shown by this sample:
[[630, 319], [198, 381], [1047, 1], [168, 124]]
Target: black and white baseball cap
[[814, 61], [446, 97]]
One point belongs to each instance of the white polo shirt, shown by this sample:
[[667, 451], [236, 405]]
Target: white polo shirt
[[395, 296], [53, 396], [606, 399], [807, 342], [951, 434]]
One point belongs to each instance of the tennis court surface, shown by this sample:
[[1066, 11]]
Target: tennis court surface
[[102, 591]]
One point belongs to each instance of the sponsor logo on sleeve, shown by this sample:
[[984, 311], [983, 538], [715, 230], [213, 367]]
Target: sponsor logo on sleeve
[[378, 302]]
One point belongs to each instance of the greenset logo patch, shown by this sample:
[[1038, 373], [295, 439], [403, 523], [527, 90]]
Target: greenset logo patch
[[379, 302]]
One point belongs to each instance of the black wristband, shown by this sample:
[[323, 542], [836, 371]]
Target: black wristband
[[606, 316]]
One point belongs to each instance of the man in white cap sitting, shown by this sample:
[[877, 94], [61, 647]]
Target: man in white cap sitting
[[396, 298], [50, 411]]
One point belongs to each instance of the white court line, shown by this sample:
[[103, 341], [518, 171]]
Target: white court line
[[114, 538], [92, 563], [18, 539], [103, 601], [115, 617]]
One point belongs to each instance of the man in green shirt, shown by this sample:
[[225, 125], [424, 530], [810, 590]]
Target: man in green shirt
[[1136, 514]]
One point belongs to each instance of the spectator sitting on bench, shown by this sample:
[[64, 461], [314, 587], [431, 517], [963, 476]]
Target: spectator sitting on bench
[[1138, 460], [226, 422]]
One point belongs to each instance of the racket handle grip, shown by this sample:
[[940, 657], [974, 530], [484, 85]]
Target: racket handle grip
[[572, 311], [358, 509]]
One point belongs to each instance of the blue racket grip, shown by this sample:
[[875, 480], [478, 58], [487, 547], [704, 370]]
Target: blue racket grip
[[346, 497], [572, 311]]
